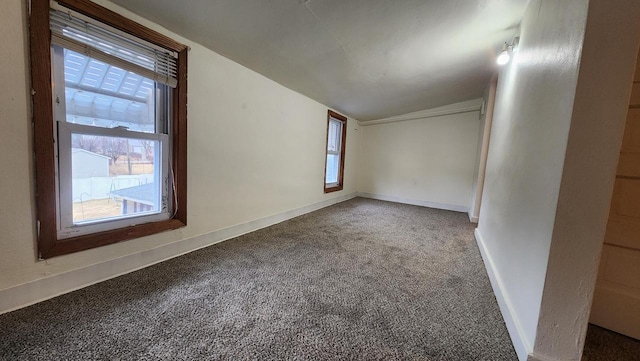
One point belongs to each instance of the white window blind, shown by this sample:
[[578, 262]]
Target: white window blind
[[79, 33]]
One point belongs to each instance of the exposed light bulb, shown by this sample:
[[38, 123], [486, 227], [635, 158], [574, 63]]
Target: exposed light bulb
[[503, 58]]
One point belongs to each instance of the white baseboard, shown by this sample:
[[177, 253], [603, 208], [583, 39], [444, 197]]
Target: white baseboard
[[415, 202], [473, 219], [536, 357], [520, 343], [45, 288]]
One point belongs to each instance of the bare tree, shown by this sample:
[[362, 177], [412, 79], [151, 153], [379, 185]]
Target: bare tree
[[147, 145], [86, 142], [114, 148]]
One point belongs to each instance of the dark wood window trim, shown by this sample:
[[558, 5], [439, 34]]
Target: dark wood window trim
[[340, 185], [41, 78]]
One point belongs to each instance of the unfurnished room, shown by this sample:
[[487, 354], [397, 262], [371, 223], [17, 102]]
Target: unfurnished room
[[320, 180]]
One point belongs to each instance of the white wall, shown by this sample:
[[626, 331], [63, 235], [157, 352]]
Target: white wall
[[475, 192], [557, 126], [591, 158], [428, 159], [256, 149], [482, 150], [532, 114]]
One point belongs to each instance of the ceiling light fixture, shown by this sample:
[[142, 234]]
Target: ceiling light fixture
[[507, 49], [504, 56]]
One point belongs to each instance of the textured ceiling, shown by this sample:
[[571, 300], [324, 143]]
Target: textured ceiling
[[370, 59]]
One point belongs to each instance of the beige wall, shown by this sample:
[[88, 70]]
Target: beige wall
[[425, 160], [17, 222], [256, 149]]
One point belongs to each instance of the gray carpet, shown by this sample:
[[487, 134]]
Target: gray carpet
[[361, 280], [605, 345]]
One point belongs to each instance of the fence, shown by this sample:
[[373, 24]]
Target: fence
[[85, 189]]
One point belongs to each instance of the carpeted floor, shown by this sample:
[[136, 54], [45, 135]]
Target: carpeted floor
[[363, 280], [605, 345]]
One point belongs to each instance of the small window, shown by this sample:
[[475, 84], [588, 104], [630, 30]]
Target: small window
[[109, 125], [336, 144]]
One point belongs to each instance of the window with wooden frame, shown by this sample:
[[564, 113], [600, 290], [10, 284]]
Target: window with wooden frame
[[110, 127], [336, 144]]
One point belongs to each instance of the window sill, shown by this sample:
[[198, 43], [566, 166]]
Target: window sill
[[333, 188], [84, 242]]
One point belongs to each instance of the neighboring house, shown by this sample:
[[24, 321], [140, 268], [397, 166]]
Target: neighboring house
[[88, 164], [137, 199]]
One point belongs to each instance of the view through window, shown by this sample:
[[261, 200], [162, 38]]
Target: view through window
[[110, 131], [334, 163], [112, 176]]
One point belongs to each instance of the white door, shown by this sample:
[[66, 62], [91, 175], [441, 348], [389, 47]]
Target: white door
[[616, 303]]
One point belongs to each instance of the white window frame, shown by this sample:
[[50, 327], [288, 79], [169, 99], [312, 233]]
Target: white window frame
[[63, 131], [338, 152], [67, 227]]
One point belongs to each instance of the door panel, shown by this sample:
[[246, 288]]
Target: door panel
[[622, 267], [629, 165], [631, 140], [635, 95], [626, 199], [622, 233], [615, 301]]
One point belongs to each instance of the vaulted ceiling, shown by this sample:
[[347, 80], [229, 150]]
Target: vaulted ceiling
[[370, 59]]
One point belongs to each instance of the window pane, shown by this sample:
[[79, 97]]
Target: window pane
[[106, 96], [334, 136], [114, 177], [333, 160]]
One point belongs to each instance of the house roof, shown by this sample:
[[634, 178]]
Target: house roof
[[80, 150], [104, 95], [145, 193]]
